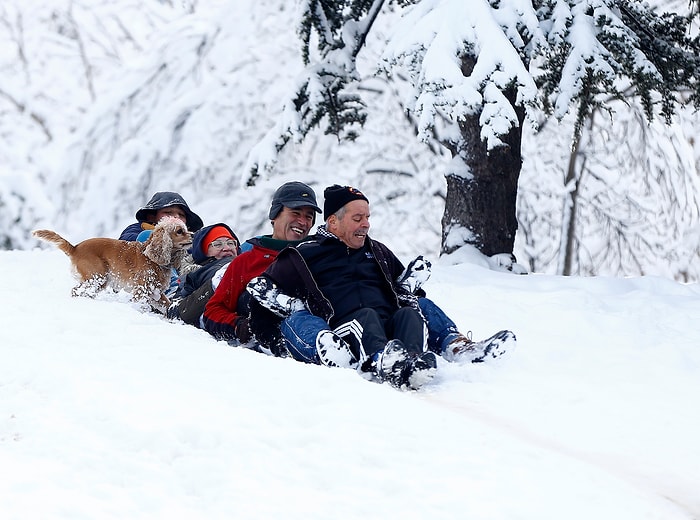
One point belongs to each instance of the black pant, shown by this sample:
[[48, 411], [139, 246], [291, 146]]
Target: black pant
[[367, 333]]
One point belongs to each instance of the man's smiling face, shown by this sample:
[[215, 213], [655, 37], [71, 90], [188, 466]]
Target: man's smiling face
[[293, 223]]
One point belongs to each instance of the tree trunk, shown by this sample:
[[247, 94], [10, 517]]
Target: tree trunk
[[480, 203], [568, 233]]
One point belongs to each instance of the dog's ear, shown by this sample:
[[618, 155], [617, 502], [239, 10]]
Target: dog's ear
[[159, 246]]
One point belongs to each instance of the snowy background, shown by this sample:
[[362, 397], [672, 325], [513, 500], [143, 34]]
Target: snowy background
[[104, 102], [107, 412]]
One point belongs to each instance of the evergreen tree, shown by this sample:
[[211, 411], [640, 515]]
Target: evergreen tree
[[477, 69]]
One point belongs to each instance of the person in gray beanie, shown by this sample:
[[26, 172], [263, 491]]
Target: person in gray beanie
[[293, 195], [226, 315]]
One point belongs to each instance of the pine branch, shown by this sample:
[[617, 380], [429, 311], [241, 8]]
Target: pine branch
[[323, 94]]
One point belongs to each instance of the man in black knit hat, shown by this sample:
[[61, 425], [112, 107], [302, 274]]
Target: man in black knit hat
[[348, 283], [343, 299]]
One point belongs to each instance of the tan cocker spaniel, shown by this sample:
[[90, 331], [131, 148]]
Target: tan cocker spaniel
[[143, 269]]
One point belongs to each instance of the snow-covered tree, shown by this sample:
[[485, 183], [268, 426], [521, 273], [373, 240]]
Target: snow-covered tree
[[184, 116], [624, 201], [476, 67], [56, 57], [182, 91]]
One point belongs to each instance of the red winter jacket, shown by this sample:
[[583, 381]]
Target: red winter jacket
[[222, 309]]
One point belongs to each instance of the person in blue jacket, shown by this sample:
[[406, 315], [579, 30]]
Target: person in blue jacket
[[163, 203], [213, 248]]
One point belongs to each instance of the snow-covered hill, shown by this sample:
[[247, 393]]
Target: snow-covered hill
[[108, 412]]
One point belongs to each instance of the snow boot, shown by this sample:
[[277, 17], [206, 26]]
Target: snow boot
[[333, 351], [461, 348], [403, 369], [423, 367]]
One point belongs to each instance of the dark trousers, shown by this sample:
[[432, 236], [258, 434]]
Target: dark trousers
[[367, 333]]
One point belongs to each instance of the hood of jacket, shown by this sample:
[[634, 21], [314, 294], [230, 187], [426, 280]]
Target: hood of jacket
[[165, 199], [198, 255]]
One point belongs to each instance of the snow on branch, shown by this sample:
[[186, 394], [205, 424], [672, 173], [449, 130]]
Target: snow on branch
[[597, 48], [322, 93], [460, 60]]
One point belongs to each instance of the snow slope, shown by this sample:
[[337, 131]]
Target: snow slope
[[109, 412]]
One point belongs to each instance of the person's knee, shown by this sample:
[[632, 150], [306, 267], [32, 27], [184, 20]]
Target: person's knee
[[407, 325], [366, 315], [300, 330], [408, 314]]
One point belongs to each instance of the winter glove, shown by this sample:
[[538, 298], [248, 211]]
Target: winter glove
[[269, 296], [415, 274], [173, 311], [242, 327]]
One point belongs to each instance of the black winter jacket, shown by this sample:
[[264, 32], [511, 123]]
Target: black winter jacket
[[335, 280]]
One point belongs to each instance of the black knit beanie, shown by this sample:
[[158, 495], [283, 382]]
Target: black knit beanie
[[337, 196]]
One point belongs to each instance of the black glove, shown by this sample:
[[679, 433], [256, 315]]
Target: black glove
[[242, 328], [173, 311]]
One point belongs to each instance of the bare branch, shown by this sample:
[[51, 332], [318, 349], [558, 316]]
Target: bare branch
[[21, 107], [89, 76]]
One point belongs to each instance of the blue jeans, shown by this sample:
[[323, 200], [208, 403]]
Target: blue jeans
[[299, 331], [301, 328], [441, 329]]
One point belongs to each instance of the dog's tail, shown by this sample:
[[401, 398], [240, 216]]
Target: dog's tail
[[52, 236]]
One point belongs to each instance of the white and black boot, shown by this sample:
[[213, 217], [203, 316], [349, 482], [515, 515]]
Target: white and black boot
[[333, 351], [269, 296], [462, 349], [403, 369]]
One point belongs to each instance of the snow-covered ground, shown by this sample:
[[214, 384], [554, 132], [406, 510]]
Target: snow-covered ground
[[109, 412]]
